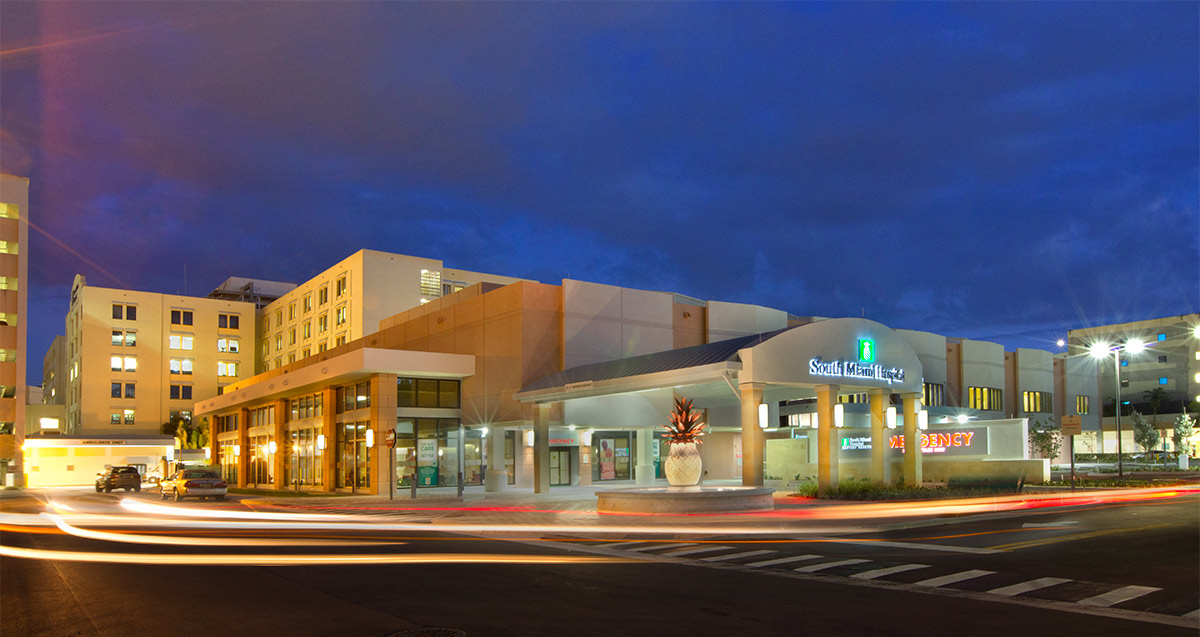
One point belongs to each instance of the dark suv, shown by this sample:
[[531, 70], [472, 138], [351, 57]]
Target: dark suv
[[119, 478]]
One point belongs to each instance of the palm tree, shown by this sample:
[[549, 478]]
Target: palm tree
[[1155, 397]]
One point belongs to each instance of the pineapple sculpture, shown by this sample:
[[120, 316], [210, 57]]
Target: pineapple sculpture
[[683, 434]]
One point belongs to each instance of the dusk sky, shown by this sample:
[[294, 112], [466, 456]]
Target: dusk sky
[[1003, 171]]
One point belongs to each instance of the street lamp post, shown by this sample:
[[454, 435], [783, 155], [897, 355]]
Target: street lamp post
[[1100, 350]]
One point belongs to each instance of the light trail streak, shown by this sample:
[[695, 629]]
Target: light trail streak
[[132, 538], [300, 560]]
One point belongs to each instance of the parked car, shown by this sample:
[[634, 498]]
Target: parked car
[[121, 477], [193, 483]]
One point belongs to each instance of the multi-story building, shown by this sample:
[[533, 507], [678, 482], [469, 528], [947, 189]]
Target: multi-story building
[[255, 291], [133, 360], [14, 269], [53, 389], [347, 301], [1160, 381]]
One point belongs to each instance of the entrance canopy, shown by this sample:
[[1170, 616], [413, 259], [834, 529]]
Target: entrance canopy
[[856, 354]]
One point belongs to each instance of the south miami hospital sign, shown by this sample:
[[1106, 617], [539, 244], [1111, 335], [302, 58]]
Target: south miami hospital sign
[[864, 368]]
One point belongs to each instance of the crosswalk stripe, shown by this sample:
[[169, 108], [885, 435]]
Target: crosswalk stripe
[[663, 546], [701, 549], [1116, 597], [934, 582], [784, 560], [1031, 585], [813, 568], [1194, 614], [734, 556], [620, 544], [881, 572]]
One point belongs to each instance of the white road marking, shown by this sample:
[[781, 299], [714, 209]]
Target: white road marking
[[1034, 525], [1031, 585], [945, 548], [1194, 614], [619, 544], [952, 578], [700, 549], [783, 560], [663, 546], [734, 556], [813, 568], [1116, 597], [881, 572]]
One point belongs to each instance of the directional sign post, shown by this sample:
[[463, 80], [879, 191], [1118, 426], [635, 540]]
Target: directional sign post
[[1071, 427]]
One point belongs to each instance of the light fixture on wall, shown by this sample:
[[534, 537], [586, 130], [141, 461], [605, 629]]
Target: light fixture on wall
[[922, 419], [890, 417], [763, 415], [207, 453], [839, 415], [962, 419], [587, 438], [529, 438], [483, 431], [237, 450], [571, 427], [370, 438], [321, 442], [271, 447]]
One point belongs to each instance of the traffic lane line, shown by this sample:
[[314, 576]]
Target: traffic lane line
[[1016, 546], [734, 556]]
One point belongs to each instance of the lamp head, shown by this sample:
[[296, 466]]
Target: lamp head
[[1098, 350], [1135, 346]]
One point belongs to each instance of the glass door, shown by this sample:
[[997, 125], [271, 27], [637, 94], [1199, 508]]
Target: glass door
[[560, 467]]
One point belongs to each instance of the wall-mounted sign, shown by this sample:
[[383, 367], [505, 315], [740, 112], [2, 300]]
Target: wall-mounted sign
[[427, 471], [851, 369], [970, 441], [564, 438], [866, 350]]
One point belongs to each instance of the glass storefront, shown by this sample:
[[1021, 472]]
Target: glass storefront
[[427, 448], [612, 455], [229, 460], [303, 467], [353, 456], [261, 469]]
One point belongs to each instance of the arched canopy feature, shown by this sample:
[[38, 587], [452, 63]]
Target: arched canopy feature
[[850, 352]]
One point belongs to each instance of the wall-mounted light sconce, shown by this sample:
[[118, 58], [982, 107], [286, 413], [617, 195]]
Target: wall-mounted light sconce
[[529, 438], [271, 446], [483, 431], [839, 415], [207, 453], [321, 442], [922, 419], [237, 450], [571, 427], [963, 419], [587, 438], [763, 415], [890, 417], [370, 438]]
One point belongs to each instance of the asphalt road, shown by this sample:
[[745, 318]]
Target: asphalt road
[[707, 585]]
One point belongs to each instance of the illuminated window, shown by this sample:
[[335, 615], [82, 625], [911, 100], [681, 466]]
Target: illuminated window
[[10, 211], [278, 362], [8, 247], [228, 321], [1162, 380], [180, 341], [292, 336], [266, 349], [181, 365], [932, 395], [114, 419], [129, 416], [1038, 402], [292, 311], [278, 342], [130, 364], [850, 399], [322, 295], [431, 283], [130, 338], [227, 345], [306, 330], [340, 315], [322, 323], [181, 317], [985, 398], [227, 369], [278, 318], [306, 304], [1081, 405], [118, 337], [340, 287], [1162, 337]]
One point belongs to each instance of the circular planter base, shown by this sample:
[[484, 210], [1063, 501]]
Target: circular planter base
[[686, 500]]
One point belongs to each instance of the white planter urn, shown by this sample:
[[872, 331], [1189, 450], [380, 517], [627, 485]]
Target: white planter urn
[[684, 464]]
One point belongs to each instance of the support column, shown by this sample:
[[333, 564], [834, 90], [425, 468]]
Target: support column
[[283, 446], [880, 468], [644, 472], [382, 419], [243, 441], [329, 430], [753, 444], [496, 477], [541, 448], [827, 439], [912, 440]]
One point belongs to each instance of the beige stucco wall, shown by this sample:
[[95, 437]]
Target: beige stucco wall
[[729, 320], [606, 322]]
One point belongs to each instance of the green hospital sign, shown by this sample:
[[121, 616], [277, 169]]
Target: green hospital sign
[[866, 350]]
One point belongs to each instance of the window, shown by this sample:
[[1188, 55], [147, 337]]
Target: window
[[292, 336], [278, 342], [127, 312], [116, 390], [129, 416], [181, 317], [340, 340], [130, 312], [322, 346], [180, 341], [339, 316], [305, 353], [181, 365], [266, 324], [227, 321], [129, 393], [1124, 363], [266, 349], [278, 362], [118, 337], [114, 419], [1162, 380], [227, 345], [181, 392], [1038, 402], [1162, 337], [1124, 383], [431, 283], [130, 364], [292, 311], [322, 324], [130, 338], [279, 318], [291, 358], [339, 287], [426, 392], [932, 395], [306, 330], [306, 304], [322, 295], [226, 368], [1162, 359], [1081, 405], [118, 311], [985, 398]]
